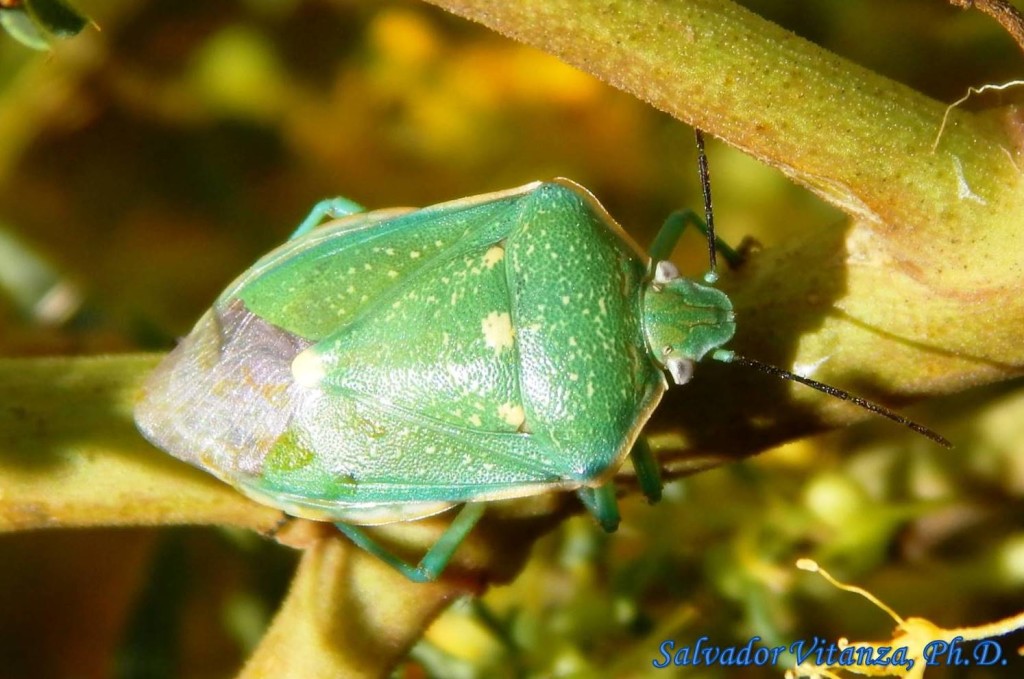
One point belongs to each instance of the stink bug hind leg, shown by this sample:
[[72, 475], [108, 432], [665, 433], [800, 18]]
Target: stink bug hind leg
[[433, 563], [601, 503], [648, 474], [328, 208]]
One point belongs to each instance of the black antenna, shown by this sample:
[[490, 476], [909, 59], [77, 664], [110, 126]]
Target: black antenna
[[709, 214], [730, 357]]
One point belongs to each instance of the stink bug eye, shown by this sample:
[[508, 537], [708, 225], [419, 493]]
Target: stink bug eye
[[391, 365], [681, 369]]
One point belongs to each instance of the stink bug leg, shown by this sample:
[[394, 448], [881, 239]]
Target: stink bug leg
[[601, 503], [437, 557], [332, 208], [648, 474], [672, 230]]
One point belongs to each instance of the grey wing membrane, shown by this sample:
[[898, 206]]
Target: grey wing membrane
[[222, 398]]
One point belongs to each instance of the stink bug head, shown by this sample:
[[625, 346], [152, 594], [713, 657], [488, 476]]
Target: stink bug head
[[684, 320]]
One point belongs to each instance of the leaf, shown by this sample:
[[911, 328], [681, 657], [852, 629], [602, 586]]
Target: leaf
[[20, 26], [56, 17]]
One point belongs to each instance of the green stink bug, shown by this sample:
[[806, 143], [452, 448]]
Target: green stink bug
[[391, 365]]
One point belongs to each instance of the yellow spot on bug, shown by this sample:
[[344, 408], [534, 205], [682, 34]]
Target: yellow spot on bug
[[414, 254], [307, 369], [574, 377], [493, 256], [475, 420], [565, 299], [498, 333], [389, 251], [392, 274], [512, 414]]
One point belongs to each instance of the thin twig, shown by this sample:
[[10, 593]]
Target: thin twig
[[1002, 11]]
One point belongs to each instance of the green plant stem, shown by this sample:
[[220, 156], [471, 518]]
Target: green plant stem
[[347, 615], [70, 455], [828, 123]]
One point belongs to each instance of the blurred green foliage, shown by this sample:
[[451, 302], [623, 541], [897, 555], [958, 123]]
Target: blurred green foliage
[[36, 23], [145, 164]]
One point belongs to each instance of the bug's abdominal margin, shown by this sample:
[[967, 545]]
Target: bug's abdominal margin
[[225, 394]]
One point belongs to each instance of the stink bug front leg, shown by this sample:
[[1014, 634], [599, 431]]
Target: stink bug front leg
[[673, 227], [332, 208], [437, 557], [677, 222]]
